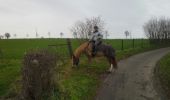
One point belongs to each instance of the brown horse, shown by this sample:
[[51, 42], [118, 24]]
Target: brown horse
[[102, 50]]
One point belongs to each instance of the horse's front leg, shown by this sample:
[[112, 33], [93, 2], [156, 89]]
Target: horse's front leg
[[89, 57]]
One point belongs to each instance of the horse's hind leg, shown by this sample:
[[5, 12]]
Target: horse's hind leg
[[111, 68], [113, 63]]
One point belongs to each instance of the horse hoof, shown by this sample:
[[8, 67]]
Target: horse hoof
[[109, 71], [74, 66], [116, 67]]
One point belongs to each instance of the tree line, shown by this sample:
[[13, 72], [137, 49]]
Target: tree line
[[6, 35], [157, 29]]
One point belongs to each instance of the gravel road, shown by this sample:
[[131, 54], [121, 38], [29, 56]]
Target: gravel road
[[134, 78]]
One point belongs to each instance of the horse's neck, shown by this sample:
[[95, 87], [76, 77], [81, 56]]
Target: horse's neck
[[80, 49]]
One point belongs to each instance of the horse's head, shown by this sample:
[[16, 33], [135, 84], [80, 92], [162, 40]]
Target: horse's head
[[75, 61]]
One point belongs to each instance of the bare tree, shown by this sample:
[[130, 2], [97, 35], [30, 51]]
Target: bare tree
[[36, 33], [7, 35], [106, 34], [157, 29], [74, 34], [27, 35], [1, 36], [82, 29], [49, 34], [151, 28], [127, 33], [61, 34], [15, 35]]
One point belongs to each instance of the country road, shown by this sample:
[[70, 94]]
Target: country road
[[134, 78]]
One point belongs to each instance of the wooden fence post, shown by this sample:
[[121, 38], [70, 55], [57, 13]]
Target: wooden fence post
[[1, 53], [142, 43], [69, 47], [133, 43], [122, 45]]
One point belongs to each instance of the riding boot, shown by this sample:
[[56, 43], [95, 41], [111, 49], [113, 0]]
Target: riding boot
[[93, 51]]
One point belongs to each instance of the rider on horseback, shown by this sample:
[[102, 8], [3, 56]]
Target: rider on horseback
[[95, 39]]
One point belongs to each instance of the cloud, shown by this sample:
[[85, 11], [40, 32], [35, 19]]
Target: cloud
[[24, 16]]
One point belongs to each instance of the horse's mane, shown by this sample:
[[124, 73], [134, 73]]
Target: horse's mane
[[81, 49]]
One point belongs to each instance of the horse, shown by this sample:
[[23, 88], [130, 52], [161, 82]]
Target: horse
[[103, 50]]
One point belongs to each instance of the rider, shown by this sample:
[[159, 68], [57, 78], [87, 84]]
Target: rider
[[95, 39]]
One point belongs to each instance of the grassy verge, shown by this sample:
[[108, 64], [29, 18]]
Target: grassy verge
[[163, 74], [9, 71]]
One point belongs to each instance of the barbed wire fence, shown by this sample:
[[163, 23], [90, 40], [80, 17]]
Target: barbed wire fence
[[1, 54], [64, 49]]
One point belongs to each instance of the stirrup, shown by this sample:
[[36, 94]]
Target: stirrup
[[94, 54]]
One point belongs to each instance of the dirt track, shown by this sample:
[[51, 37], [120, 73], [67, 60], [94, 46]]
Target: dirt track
[[134, 78]]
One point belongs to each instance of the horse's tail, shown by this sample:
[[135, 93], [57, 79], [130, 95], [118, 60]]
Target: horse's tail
[[113, 58], [114, 62], [112, 53]]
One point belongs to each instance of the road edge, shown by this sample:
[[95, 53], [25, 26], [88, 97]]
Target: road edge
[[157, 82]]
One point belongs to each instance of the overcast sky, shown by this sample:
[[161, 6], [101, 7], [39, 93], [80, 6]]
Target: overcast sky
[[23, 17]]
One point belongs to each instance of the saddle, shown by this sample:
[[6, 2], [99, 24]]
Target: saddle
[[95, 47]]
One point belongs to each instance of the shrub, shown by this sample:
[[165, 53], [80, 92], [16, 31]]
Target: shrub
[[38, 82]]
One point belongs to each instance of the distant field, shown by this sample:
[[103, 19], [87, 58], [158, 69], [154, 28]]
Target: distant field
[[13, 50]]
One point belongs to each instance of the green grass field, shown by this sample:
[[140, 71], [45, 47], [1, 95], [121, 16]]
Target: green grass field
[[80, 83], [163, 72]]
